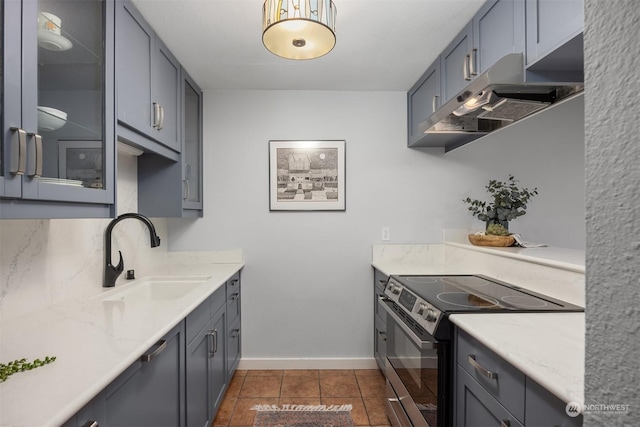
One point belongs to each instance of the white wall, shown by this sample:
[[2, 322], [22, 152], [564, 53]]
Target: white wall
[[613, 224], [307, 280]]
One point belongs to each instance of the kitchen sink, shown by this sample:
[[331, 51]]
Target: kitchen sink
[[156, 289]]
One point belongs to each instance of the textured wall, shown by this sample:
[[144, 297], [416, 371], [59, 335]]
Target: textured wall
[[612, 112]]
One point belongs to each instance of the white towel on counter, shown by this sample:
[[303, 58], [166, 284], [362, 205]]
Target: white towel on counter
[[526, 244]]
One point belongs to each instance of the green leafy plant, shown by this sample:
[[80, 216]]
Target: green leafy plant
[[508, 202], [22, 365]]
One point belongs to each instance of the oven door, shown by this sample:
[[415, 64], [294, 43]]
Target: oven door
[[416, 372]]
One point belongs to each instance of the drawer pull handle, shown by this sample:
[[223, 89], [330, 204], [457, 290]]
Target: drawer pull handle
[[234, 297], [90, 424], [505, 423], [481, 369], [162, 344], [234, 282]]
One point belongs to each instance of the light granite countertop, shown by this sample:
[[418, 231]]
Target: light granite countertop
[[93, 341]]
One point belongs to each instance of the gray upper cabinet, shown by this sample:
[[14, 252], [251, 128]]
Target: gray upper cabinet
[[57, 118], [191, 144], [456, 63], [498, 30], [422, 100], [551, 24], [148, 84], [169, 188]]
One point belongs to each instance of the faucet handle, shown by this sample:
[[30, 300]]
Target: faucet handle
[[120, 267]]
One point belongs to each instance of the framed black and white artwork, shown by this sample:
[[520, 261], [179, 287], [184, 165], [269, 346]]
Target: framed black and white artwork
[[307, 175]]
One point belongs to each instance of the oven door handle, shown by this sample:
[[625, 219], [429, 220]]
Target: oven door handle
[[423, 345]]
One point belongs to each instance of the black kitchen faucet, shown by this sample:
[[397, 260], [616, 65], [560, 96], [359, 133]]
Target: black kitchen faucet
[[111, 273]]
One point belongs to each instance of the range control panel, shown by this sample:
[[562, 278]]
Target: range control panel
[[425, 314]]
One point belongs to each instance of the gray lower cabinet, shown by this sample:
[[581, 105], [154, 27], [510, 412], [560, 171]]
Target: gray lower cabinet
[[181, 381], [379, 319], [205, 366], [151, 391], [234, 343], [490, 391]]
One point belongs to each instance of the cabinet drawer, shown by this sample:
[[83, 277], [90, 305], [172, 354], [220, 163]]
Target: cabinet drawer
[[379, 280], [197, 319], [218, 299], [494, 374], [233, 299], [234, 348]]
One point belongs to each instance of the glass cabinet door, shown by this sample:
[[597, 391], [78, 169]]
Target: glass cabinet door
[[69, 98], [192, 146], [64, 102]]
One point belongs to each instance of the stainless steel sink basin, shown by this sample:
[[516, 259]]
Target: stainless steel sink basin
[[156, 289]]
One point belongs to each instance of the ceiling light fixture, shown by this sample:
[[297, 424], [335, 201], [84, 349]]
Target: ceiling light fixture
[[299, 29]]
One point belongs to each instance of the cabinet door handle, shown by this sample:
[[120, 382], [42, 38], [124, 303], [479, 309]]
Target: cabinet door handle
[[156, 115], [465, 68], [213, 342], [18, 163], [505, 423], [234, 282], [235, 333], [186, 189], [434, 103], [90, 423], [161, 124], [234, 297], [481, 369], [162, 344], [383, 336], [472, 62], [35, 156]]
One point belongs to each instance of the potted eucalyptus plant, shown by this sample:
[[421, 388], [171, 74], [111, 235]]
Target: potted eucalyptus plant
[[508, 202]]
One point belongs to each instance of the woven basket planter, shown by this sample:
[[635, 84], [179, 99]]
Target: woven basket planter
[[490, 240]]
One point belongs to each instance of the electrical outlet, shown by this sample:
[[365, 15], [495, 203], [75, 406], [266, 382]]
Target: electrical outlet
[[386, 233]]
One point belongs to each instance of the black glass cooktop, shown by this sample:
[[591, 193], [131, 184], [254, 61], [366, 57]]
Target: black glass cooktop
[[463, 293]]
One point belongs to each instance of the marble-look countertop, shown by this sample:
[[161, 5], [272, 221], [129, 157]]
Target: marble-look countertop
[[548, 348], [93, 341]]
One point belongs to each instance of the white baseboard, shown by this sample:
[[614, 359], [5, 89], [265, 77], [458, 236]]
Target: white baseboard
[[253, 364]]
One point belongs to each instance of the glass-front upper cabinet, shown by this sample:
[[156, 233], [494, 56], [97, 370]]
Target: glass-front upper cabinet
[[192, 146], [58, 128]]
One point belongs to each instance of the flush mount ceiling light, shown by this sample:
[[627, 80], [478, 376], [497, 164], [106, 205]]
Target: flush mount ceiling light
[[299, 29]]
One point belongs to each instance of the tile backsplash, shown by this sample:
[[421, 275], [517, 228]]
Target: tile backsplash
[[46, 261]]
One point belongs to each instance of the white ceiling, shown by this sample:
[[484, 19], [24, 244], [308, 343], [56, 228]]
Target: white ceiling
[[382, 45]]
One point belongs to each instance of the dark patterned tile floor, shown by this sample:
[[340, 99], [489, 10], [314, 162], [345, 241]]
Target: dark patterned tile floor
[[363, 389]]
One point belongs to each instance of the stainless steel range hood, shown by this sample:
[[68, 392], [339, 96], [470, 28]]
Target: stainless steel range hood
[[495, 99]]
